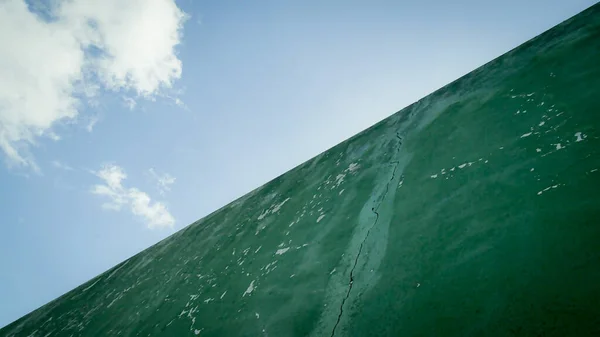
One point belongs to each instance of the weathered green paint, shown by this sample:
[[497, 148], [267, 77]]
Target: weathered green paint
[[474, 211]]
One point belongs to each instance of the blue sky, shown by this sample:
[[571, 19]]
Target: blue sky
[[114, 136]]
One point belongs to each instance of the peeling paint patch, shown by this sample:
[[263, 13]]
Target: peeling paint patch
[[250, 289], [282, 251], [353, 167]]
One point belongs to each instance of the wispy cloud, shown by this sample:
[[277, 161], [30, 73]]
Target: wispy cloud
[[53, 136], [62, 166], [174, 95], [180, 104], [91, 123], [129, 102], [163, 181], [93, 47], [154, 214]]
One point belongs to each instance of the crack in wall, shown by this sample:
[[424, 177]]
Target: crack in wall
[[374, 210]]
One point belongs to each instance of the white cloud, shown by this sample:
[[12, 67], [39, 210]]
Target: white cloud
[[180, 104], [91, 123], [155, 214], [48, 65], [60, 165], [163, 181], [129, 102], [53, 136]]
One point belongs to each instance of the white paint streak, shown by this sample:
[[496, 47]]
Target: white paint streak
[[250, 289], [339, 179], [88, 288], [263, 214], [282, 251], [353, 167], [116, 270], [278, 207]]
